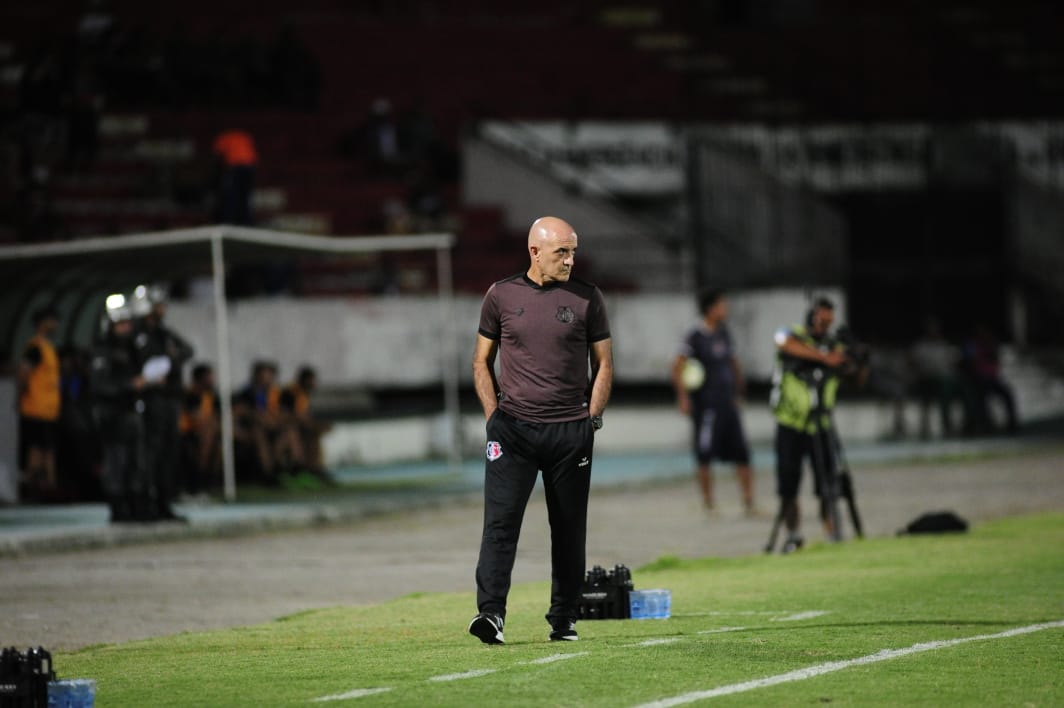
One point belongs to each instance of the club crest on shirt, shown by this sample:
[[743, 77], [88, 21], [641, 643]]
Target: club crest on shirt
[[565, 314], [494, 450]]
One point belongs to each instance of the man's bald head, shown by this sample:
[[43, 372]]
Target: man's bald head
[[548, 227], [551, 250]]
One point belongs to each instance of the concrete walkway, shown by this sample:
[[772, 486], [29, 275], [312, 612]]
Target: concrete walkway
[[38, 529]]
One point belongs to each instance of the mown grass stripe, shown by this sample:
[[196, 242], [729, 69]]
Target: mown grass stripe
[[722, 630], [657, 642], [831, 666]]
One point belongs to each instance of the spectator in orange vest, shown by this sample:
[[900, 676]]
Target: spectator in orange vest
[[39, 405], [235, 150]]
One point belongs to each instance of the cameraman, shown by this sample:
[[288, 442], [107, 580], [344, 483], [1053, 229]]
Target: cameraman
[[809, 363]]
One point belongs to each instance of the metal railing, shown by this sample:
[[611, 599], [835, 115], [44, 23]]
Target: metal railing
[[750, 229]]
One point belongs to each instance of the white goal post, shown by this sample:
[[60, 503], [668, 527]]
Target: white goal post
[[76, 272]]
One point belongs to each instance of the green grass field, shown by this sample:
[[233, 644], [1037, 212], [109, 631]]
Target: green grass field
[[734, 621]]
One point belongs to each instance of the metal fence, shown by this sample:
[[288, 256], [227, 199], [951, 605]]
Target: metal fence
[[750, 229]]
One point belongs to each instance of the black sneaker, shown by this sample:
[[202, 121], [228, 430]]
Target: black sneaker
[[487, 628], [793, 544], [563, 631]]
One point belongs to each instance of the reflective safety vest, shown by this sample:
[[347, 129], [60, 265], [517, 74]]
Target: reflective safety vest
[[40, 400], [799, 386]]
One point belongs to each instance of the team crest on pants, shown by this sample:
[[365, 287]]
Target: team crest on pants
[[494, 450]]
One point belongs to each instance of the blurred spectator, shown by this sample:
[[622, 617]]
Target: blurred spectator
[[396, 218], [116, 382], [264, 432], [236, 177], [255, 408], [77, 448], [423, 146], [200, 427], [377, 141], [982, 367], [295, 399], [935, 361], [162, 354], [39, 404], [888, 377], [425, 198]]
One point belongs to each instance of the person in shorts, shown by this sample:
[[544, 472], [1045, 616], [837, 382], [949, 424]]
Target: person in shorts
[[714, 403]]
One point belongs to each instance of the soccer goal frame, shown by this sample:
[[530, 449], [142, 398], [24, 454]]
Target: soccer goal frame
[[81, 271]]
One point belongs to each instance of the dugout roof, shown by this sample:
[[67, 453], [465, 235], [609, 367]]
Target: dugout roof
[[75, 276]]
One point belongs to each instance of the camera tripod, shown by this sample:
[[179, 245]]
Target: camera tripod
[[831, 470]]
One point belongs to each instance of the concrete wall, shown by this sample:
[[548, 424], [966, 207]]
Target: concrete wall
[[627, 430], [398, 341]]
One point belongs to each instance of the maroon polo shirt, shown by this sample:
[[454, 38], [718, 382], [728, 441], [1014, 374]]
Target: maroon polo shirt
[[544, 335]]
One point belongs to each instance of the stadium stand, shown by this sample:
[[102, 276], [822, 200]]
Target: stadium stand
[[164, 78]]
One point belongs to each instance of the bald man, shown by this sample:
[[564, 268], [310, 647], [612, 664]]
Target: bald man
[[542, 412]]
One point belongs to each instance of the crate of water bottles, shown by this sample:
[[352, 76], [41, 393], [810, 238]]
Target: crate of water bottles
[[72, 693], [604, 594], [24, 677], [650, 604]]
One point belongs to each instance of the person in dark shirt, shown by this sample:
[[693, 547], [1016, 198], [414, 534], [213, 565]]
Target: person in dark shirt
[[256, 409], [307, 429], [200, 426], [117, 386], [542, 412], [157, 345], [709, 386]]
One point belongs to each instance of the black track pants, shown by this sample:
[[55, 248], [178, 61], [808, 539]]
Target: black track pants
[[516, 451]]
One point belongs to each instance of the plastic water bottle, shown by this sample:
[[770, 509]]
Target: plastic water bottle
[[72, 693], [58, 694], [650, 604], [84, 693]]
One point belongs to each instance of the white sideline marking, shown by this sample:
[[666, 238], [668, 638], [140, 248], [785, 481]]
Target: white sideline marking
[[820, 669], [557, 657], [468, 674], [357, 693], [721, 630], [801, 616]]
